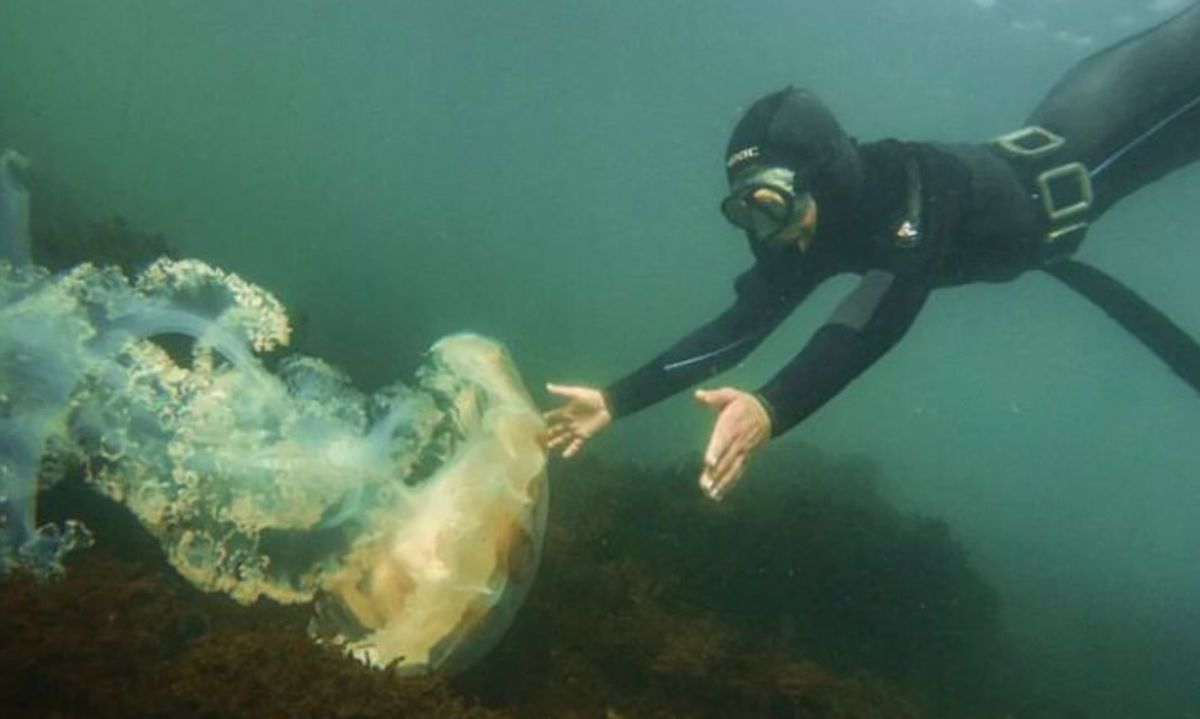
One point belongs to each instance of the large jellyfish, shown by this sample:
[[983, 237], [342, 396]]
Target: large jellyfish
[[411, 520]]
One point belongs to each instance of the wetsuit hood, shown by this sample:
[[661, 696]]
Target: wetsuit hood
[[792, 128]]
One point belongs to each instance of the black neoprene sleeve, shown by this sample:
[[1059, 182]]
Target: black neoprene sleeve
[[837, 353], [834, 356], [713, 348]]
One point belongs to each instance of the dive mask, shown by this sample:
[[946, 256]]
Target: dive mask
[[764, 214]]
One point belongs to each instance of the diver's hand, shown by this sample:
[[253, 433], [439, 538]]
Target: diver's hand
[[570, 426], [742, 426]]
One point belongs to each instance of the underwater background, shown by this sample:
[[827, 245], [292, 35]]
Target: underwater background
[[548, 173]]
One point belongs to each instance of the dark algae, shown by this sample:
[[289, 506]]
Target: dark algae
[[802, 596]]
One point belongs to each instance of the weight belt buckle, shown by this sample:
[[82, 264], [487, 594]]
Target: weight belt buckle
[[1065, 190]]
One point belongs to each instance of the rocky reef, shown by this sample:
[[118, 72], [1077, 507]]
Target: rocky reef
[[796, 598]]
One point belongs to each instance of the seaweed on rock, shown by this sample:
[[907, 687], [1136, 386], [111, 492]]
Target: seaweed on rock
[[804, 571], [621, 622]]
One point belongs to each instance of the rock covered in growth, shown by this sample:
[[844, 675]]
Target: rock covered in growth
[[765, 599], [124, 641], [616, 626]]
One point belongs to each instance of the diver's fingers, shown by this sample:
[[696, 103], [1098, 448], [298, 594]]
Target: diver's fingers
[[725, 430], [716, 482], [573, 448], [558, 442], [726, 481], [718, 443], [558, 414], [706, 482], [569, 391], [569, 443], [574, 410], [716, 398], [735, 451], [727, 450], [564, 423], [559, 426], [712, 457]]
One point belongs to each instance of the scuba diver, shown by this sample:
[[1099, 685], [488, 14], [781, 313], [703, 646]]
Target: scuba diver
[[910, 217]]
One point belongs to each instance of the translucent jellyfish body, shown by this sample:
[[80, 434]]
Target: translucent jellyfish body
[[411, 520]]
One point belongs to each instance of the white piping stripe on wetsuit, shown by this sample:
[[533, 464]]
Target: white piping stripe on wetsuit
[[857, 309], [1143, 137], [707, 355]]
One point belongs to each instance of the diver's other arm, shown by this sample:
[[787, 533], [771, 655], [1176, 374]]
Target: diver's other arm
[[721, 343], [584, 415], [869, 322], [718, 345], [761, 305]]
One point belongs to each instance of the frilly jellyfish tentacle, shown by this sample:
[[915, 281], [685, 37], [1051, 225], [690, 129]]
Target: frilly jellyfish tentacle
[[42, 361], [57, 331], [152, 321]]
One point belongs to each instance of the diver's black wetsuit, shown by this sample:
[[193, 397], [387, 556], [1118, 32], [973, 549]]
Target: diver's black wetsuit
[[911, 217]]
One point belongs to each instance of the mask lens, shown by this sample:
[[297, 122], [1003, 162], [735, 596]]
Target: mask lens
[[758, 212]]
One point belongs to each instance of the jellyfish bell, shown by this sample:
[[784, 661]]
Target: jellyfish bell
[[443, 583]]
